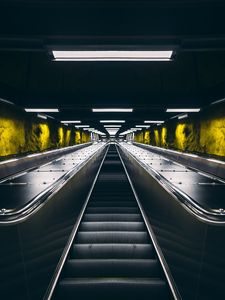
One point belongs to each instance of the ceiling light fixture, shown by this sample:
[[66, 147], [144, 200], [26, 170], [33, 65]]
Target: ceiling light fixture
[[112, 121], [82, 126], [112, 109], [154, 122], [112, 55], [142, 126], [112, 126], [71, 122], [183, 109], [41, 109]]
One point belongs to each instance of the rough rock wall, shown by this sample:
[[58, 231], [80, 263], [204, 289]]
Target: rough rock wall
[[21, 132], [203, 132]]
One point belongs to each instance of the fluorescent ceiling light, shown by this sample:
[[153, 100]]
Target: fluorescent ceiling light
[[183, 110], [6, 101], [142, 126], [41, 116], [154, 122], [71, 122], [82, 126], [112, 121], [218, 101], [41, 109], [112, 126], [112, 109], [111, 55], [183, 116]]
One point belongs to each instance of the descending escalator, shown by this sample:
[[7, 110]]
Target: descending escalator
[[112, 255]]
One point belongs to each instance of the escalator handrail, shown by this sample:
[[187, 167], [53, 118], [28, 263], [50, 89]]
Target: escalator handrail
[[24, 212]]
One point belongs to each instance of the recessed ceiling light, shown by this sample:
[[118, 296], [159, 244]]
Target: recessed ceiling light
[[112, 55], [183, 109], [71, 122], [112, 121], [112, 109], [113, 126], [154, 122], [41, 110]]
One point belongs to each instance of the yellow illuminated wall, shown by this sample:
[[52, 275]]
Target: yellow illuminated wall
[[21, 132], [12, 136], [199, 133]]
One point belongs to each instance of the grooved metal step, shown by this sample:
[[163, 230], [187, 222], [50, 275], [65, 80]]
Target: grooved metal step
[[112, 226], [112, 237], [112, 267], [112, 217], [133, 251]]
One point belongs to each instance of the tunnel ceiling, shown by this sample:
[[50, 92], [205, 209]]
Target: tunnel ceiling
[[29, 78]]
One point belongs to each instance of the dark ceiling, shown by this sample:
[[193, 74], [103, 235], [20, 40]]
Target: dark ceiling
[[195, 78]]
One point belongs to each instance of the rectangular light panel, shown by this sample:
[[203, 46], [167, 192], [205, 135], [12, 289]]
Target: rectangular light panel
[[41, 110], [112, 55], [183, 110], [71, 122], [112, 121], [112, 109], [154, 122]]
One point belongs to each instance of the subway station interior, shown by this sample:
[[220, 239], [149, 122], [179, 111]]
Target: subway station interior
[[112, 150]]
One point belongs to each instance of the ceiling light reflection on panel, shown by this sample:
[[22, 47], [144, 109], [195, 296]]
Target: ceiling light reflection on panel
[[112, 121], [112, 55], [41, 109], [112, 109], [183, 109]]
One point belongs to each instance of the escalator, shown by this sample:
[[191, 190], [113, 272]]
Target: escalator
[[112, 255]]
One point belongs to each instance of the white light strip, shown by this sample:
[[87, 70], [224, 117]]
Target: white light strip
[[82, 126], [142, 126], [41, 109], [112, 126], [183, 109], [6, 101], [154, 122], [41, 116], [218, 101], [183, 116], [71, 122], [112, 109], [112, 121], [112, 55]]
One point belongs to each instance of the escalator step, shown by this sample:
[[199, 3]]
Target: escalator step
[[112, 226], [139, 237], [112, 210], [112, 217], [112, 268], [128, 251], [112, 288]]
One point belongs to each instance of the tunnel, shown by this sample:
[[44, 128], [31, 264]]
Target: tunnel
[[112, 150]]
